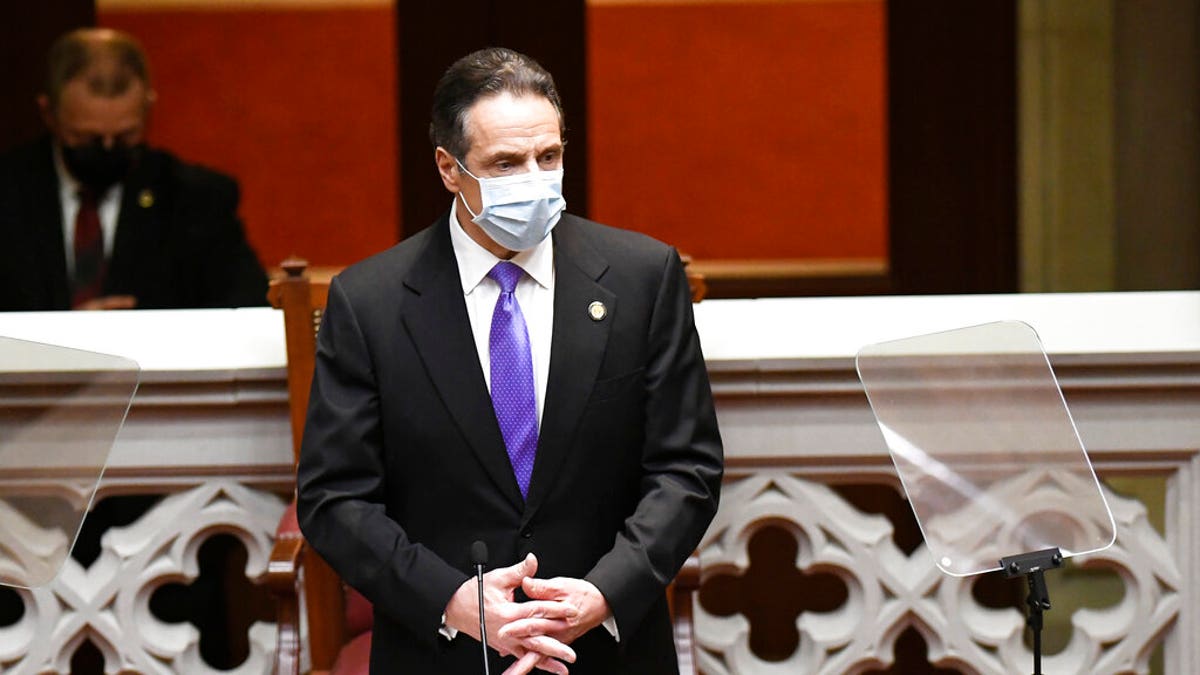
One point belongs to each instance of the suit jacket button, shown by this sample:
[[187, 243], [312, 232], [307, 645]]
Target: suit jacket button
[[528, 534]]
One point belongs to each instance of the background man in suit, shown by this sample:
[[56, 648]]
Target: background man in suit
[[91, 218], [591, 470]]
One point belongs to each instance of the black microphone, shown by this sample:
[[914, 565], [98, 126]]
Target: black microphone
[[479, 556]]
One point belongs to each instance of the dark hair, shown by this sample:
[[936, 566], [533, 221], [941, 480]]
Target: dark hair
[[486, 72], [76, 52]]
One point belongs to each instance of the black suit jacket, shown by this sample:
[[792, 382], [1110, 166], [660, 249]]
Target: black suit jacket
[[403, 465], [178, 244]]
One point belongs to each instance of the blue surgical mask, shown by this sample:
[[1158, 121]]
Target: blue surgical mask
[[519, 211]]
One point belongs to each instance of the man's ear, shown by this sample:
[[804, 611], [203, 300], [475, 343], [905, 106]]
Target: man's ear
[[47, 113], [147, 109], [447, 169]]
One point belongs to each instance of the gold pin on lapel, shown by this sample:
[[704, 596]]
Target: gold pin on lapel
[[146, 198], [597, 310]]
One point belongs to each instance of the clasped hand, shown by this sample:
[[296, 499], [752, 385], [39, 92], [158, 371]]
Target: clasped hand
[[537, 632]]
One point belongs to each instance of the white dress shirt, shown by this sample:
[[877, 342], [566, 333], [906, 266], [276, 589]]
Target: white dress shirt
[[68, 196], [535, 294]]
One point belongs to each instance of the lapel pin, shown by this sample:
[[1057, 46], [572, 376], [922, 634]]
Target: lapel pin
[[145, 199], [597, 310]]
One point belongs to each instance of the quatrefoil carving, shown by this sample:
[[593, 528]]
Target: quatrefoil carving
[[890, 592], [108, 603]]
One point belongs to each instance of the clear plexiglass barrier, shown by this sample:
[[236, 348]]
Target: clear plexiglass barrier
[[985, 446], [60, 412]]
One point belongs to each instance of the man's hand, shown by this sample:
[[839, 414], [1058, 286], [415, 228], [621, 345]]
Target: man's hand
[[531, 650], [110, 302], [591, 609]]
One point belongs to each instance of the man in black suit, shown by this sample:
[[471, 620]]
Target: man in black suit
[[544, 393], [92, 218]]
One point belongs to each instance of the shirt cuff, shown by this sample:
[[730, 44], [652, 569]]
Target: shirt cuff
[[610, 625], [451, 633]]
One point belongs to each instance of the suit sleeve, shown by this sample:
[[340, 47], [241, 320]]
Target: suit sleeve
[[340, 484], [682, 462], [230, 272]]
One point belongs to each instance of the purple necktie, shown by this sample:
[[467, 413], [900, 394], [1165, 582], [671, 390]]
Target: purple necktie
[[513, 395]]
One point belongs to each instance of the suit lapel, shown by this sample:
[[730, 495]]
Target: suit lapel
[[136, 234], [440, 329], [576, 351]]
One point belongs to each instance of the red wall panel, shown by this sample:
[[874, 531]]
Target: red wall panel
[[741, 130], [744, 130], [298, 103]]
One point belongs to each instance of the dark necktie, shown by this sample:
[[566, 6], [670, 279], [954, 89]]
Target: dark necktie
[[89, 250], [513, 396]]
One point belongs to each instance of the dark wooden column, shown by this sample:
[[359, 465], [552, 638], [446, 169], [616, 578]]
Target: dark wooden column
[[432, 35], [952, 174], [26, 31]]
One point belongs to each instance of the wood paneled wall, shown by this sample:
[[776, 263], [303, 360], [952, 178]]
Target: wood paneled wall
[[296, 99], [952, 151], [791, 147]]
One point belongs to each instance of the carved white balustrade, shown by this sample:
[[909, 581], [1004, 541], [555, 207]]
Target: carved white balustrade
[[795, 421], [209, 427], [108, 603]]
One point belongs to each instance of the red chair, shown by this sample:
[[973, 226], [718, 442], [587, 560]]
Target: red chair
[[338, 617]]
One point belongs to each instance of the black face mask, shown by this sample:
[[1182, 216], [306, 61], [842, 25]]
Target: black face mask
[[98, 167]]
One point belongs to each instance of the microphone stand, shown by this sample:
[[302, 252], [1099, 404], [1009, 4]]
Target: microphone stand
[[479, 555], [482, 623]]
